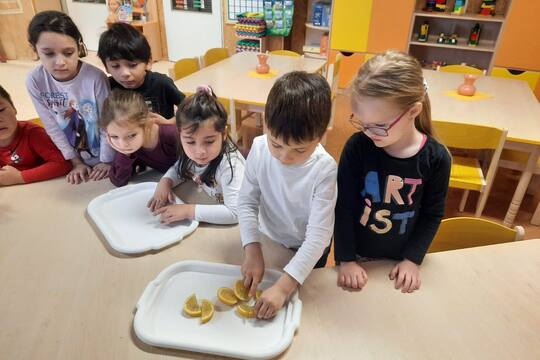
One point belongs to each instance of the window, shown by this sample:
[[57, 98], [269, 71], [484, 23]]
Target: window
[[236, 7]]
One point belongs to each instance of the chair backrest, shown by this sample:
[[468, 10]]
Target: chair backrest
[[184, 67], [334, 82], [531, 77], [466, 232], [469, 136], [215, 55], [461, 69], [285, 53]]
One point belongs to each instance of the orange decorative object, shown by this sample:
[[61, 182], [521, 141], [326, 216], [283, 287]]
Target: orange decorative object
[[262, 67], [467, 88]]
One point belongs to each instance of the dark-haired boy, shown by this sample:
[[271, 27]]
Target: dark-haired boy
[[126, 54], [289, 190]]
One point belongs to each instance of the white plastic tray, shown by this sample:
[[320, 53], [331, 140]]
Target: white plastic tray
[[160, 320], [129, 226]]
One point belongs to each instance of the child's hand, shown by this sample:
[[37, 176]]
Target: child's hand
[[100, 171], [273, 298], [177, 212], [163, 195], [253, 267], [406, 275], [160, 120], [351, 276], [10, 176], [79, 173]]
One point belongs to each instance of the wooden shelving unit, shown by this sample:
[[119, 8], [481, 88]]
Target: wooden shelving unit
[[480, 56], [312, 44]]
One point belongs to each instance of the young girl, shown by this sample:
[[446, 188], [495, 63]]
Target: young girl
[[27, 154], [68, 95], [137, 139], [209, 157], [393, 174]]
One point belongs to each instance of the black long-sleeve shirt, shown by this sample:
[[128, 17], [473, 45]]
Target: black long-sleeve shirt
[[386, 206]]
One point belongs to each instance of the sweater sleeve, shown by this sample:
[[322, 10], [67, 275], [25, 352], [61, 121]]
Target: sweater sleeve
[[54, 163], [102, 90], [174, 95], [49, 121], [319, 228], [121, 169], [225, 213], [349, 180], [249, 199], [431, 209], [173, 174]]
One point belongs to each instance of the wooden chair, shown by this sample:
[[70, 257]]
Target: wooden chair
[[285, 53], [184, 67], [467, 174], [531, 77], [461, 69], [215, 55], [517, 160], [333, 80], [467, 232]]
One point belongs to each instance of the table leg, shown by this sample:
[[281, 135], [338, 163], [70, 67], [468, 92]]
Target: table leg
[[522, 187]]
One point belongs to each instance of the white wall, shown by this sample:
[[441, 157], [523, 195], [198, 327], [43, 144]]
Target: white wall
[[191, 33], [90, 19]]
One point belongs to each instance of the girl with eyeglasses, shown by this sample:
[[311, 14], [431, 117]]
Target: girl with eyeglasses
[[393, 175]]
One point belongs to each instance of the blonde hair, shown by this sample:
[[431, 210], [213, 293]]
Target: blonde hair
[[124, 106], [398, 77]]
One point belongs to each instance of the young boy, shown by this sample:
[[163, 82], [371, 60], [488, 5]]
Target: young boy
[[27, 154], [290, 186], [126, 54]]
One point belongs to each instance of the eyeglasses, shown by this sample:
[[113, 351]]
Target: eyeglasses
[[375, 130]]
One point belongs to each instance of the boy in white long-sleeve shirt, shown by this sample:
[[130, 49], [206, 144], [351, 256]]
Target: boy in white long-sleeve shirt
[[289, 190]]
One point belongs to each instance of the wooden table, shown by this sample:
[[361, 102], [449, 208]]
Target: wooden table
[[66, 295], [512, 106], [230, 77]]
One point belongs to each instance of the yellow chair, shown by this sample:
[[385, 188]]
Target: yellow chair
[[461, 69], [215, 55], [334, 82], [285, 53], [466, 172], [466, 232], [531, 77], [184, 67], [37, 121]]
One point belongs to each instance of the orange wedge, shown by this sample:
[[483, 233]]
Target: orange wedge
[[226, 296], [191, 306], [207, 311], [245, 310], [240, 291]]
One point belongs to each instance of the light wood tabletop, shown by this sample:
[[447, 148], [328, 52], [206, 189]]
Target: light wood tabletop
[[66, 295], [510, 104], [230, 78]]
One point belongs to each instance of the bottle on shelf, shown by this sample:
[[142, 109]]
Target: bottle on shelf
[[424, 32], [474, 37]]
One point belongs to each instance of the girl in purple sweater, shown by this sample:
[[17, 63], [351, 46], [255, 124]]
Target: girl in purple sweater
[[138, 140]]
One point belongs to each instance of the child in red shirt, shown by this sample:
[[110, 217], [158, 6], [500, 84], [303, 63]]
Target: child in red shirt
[[27, 154]]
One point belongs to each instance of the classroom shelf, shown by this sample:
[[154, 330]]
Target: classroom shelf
[[486, 46], [310, 25], [474, 17]]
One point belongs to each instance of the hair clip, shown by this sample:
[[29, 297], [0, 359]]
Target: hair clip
[[206, 89], [425, 86]]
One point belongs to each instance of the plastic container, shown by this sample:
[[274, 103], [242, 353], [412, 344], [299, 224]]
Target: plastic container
[[128, 225], [160, 321]]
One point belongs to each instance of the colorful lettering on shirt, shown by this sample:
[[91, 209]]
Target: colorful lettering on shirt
[[382, 220]]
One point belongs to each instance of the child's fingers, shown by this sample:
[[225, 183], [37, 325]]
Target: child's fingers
[[364, 277], [394, 272], [248, 278], [418, 283], [341, 280], [160, 210], [399, 280], [270, 312], [407, 283], [348, 281], [354, 282], [360, 281], [171, 198], [262, 311], [254, 284]]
